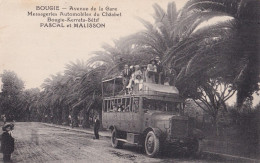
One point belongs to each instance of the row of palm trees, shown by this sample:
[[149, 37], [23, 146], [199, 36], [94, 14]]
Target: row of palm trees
[[65, 95], [225, 52]]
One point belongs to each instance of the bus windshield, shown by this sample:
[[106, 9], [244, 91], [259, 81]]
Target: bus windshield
[[165, 106]]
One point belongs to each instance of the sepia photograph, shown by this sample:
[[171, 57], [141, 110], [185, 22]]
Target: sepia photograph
[[116, 81]]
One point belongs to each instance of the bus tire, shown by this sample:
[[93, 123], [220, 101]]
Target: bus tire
[[152, 144], [195, 149], [115, 143]]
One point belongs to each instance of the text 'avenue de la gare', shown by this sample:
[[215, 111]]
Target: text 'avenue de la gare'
[[100, 11]]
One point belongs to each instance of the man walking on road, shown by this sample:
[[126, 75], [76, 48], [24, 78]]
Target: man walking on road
[[96, 127], [4, 119], [7, 143]]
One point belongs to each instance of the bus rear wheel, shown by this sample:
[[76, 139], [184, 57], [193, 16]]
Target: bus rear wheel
[[194, 148], [152, 144], [115, 143]]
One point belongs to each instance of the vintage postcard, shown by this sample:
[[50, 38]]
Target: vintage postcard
[[129, 80]]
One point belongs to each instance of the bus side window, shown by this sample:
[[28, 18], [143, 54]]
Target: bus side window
[[127, 105], [135, 107], [104, 106], [121, 105], [114, 105], [108, 105]]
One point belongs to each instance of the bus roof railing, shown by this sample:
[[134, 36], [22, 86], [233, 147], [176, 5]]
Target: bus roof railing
[[142, 87], [147, 89]]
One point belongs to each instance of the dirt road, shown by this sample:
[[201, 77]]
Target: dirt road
[[36, 143]]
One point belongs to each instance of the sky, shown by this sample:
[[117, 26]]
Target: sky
[[35, 53]]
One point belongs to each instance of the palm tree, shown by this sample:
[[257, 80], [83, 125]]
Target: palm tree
[[228, 49], [84, 80], [30, 99], [194, 59], [91, 92], [168, 39], [115, 57], [74, 71], [55, 91], [159, 37]]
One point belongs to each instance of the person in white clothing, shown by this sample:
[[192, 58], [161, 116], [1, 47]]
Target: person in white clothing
[[151, 71], [134, 77]]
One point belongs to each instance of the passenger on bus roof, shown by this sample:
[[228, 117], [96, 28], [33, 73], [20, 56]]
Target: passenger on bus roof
[[159, 75], [144, 71], [139, 82], [135, 77], [126, 73], [166, 81], [151, 70], [132, 69]]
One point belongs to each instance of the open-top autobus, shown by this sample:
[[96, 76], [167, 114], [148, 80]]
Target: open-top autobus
[[152, 115]]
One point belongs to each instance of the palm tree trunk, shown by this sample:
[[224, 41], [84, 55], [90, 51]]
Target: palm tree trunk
[[65, 115], [59, 116], [85, 123], [74, 117], [100, 119], [215, 124]]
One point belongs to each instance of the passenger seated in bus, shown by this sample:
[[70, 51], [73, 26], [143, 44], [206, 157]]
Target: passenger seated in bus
[[120, 108], [123, 107], [127, 109], [151, 70], [114, 108]]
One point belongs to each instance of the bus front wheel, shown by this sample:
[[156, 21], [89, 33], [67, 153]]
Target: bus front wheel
[[152, 144]]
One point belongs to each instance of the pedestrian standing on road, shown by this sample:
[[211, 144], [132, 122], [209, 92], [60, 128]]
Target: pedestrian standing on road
[[4, 119], [7, 144], [96, 127]]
